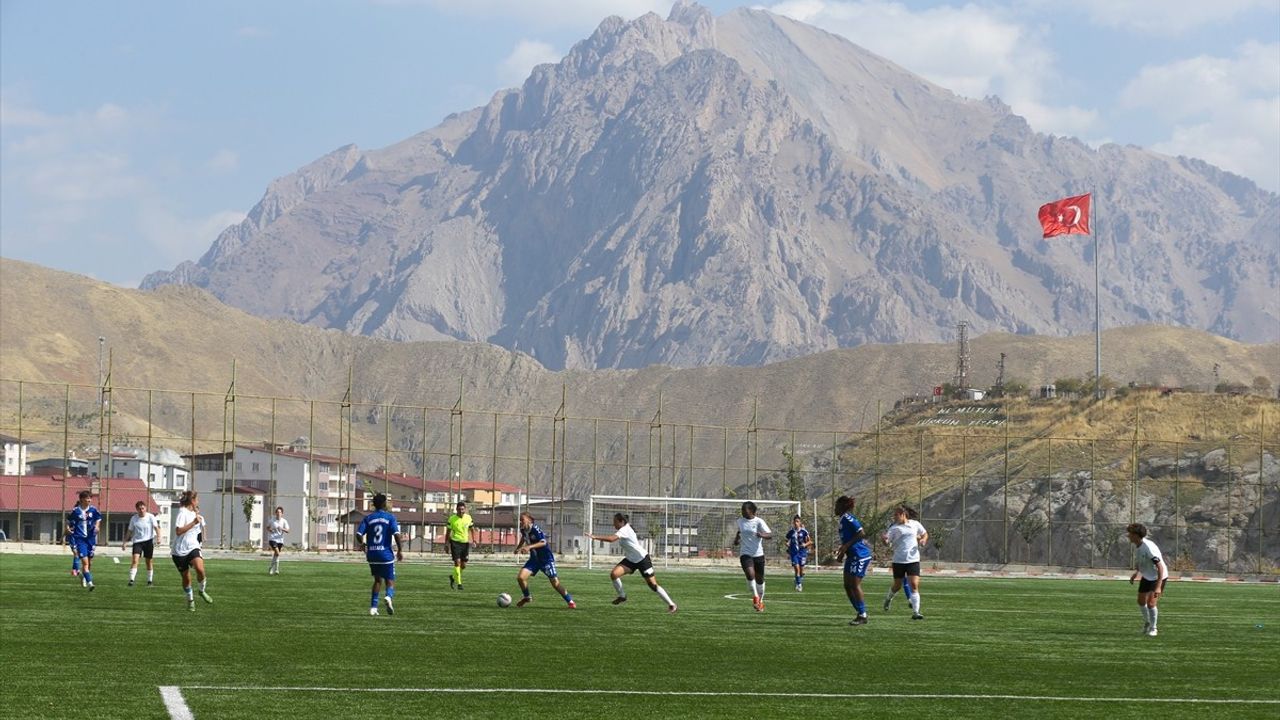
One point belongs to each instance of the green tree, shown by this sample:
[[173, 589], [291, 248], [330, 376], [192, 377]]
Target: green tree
[[795, 479]]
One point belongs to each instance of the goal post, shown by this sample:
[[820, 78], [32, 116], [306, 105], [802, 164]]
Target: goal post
[[689, 531]]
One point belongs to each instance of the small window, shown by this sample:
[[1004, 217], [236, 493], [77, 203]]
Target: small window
[[239, 467], [256, 468]]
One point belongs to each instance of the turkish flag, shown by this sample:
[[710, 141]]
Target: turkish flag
[[1068, 216]]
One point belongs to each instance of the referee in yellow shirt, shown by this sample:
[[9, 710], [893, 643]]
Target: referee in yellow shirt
[[461, 526]]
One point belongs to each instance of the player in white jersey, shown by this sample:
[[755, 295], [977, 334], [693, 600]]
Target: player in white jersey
[[1150, 565], [144, 533], [277, 527], [752, 531], [906, 536], [188, 529], [634, 557]]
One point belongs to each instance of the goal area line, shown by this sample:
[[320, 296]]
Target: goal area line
[[176, 704]]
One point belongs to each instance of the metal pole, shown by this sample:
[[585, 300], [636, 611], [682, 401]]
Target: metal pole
[[1262, 431], [1048, 560], [1097, 314], [964, 488], [1006, 492]]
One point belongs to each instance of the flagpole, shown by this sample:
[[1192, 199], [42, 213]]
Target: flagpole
[[1097, 312]]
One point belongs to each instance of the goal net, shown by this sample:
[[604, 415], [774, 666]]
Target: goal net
[[685, 530]]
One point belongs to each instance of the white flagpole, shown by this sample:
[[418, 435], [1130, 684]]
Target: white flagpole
[[1097, 310]]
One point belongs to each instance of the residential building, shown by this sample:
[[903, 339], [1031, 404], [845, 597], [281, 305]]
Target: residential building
[[73, 466], [15, 455], [315, 490], [166, 481], [33, 508]]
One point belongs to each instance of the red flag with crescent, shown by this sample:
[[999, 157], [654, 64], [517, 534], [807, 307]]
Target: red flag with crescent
[[1068, 216]]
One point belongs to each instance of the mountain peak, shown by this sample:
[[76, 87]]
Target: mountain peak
[[739, 189]]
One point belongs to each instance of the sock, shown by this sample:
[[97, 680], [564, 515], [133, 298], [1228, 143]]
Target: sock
[[568, 598], [889, 595], [906, 590], [751, 585], [373, 600], [524, 591], [391, 592], [151, 576], [760, 585], [797, 579], [88, 577], [663, 594], [133, 574], [860, 606], [915, 603], [1146, 613], [457, 575], [617, 585], [187, 589], [75, 563], [203, 584], [1155, 612]]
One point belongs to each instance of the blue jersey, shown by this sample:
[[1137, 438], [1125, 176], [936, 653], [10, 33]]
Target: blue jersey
[[379, 529], [797, 541], [83, 522], [849, 528], [540, 556]]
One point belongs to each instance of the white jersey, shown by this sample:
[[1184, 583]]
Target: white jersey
[[905, 538], [142, 529], [748, 537], [276, 529], [631, 547], [1150, 561], [189, 540]]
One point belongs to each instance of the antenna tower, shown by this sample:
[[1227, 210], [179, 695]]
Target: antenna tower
[[962, 356], [1000, 375]]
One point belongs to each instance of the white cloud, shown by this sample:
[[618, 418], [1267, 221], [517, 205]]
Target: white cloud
[[1224, 110], [176, 238], [527, 54], [549, 13], [1165, 17], [75, 196], [224, 161], [971, 50]]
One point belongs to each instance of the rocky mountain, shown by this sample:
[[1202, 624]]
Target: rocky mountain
[[739, 190]]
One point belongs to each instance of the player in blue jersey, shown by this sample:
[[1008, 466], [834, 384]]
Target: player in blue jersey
[[82, 523], [374, 536], [856, 554], [541, 560], [75, 555], [798, 545]]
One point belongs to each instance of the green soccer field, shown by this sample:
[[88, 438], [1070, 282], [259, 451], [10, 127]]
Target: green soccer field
[[301, 644]]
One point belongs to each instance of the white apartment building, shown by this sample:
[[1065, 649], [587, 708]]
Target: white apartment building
[[165, 481], [315, 490], [15, 455]]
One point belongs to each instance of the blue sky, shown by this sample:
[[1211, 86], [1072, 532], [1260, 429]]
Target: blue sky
[[132, 133]]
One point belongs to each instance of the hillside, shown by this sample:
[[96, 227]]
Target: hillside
[[182, 339]]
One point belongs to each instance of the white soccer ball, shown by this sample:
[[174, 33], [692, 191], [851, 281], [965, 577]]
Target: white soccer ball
[[504, 600]]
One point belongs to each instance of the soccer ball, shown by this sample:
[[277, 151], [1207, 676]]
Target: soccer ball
[[504, 600]]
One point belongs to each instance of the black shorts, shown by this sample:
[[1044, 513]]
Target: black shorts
[[459, 551], [901, 570], [146, 548], [274, 545], [183, 562], [645, 566], [756, 563], [1146, 586]]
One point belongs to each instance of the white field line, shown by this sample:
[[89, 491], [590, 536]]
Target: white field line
[[910, 695], [174, 703]]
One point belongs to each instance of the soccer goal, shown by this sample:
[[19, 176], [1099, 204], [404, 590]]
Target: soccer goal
[[688, 531]]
